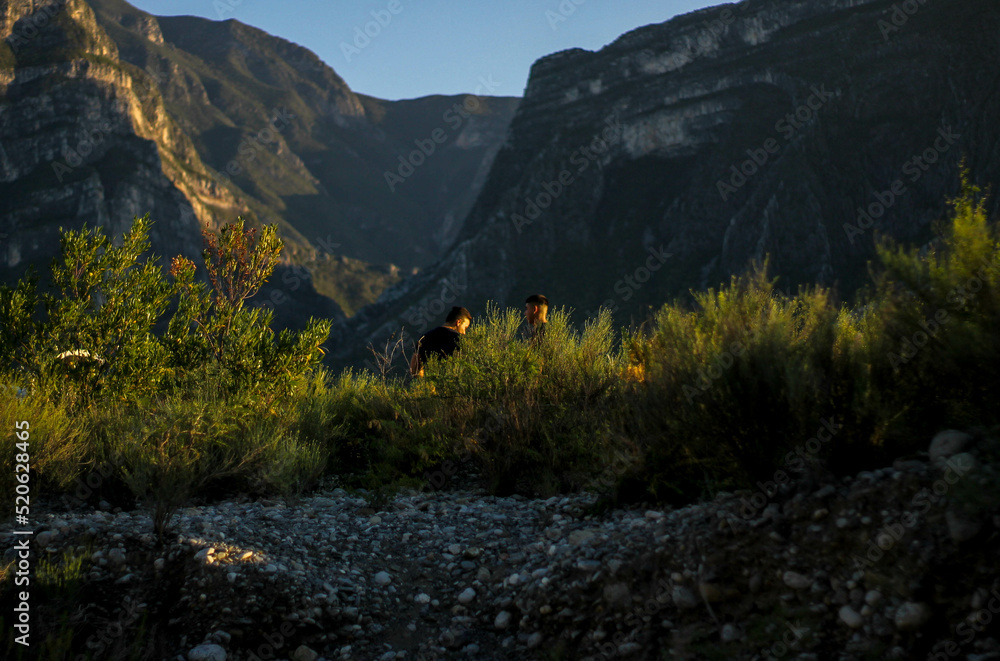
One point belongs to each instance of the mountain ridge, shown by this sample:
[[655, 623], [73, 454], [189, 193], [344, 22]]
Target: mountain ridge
[[695, 97]]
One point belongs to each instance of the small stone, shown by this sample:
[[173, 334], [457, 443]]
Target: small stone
[[911, 616], [795, 580], [45, 538], [468, 594], [382, 579], [850, 617], [502, 620], [303, 653], [117, 556], [159, 564], [617, 593], [203, 555], [729, 633], [535, 639], [209, 652], [422, 598], [873, 598], [947, 443], [629, 648], [683, 597]]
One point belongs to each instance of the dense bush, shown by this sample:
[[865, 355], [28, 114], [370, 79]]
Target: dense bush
[[717, 395]]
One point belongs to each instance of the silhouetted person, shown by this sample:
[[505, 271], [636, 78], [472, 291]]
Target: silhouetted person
[[536, 307], [442, 341]]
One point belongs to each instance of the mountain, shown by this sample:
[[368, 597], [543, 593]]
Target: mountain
[[684, 151], [109, 111]]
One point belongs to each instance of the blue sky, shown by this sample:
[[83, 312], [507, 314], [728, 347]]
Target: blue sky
[[427, 47]]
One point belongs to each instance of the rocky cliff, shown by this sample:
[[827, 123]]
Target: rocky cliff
[[682, 152], [86, 139], [107, 112]]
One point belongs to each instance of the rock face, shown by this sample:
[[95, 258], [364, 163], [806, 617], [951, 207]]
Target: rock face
[[107, 112], [271, 117], [680, 153], [87, 140]]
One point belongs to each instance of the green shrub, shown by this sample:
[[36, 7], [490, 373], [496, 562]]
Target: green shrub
[[538, 416]]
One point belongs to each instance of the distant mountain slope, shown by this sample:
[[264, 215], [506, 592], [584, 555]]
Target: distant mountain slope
[[107, 112], [683, 151], [324, 169]]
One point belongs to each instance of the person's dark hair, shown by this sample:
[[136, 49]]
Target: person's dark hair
[[538, 299], [456, 314]]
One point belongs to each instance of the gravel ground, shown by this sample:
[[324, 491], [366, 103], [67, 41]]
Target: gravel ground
[[460, 574]]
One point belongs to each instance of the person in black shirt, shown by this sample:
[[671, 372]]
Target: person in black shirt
[[442, 341], [536, 307]]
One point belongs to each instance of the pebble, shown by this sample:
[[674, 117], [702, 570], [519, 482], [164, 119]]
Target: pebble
[[502, 620], [303, 653], [947, 443], [850, 617], [911, 616], [208, 652], [795, 580], [510, 574]]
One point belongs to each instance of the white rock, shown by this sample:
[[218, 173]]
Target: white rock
[[422, 598], [947, 443], [468, 594], [850, 617], [209, 652], [382, 579], [911, 616], [629, 648], [502, 620], [303, 653], [795, 580], [683, 597], [960, 528]]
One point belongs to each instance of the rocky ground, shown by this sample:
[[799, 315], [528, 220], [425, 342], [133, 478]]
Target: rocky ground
[[899, 563]]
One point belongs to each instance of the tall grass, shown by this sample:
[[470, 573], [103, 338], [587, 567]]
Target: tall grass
[[703, 397]]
